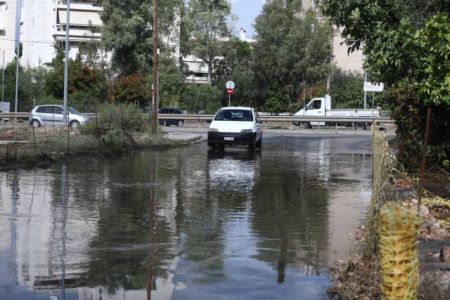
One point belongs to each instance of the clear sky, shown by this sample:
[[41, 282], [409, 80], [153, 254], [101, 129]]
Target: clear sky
[[246, 11]]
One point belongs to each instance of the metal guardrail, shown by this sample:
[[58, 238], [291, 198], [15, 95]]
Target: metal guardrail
[[264, 118], [369, 120], [19, 115]]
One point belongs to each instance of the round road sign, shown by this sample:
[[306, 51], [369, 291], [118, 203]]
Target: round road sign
[[230, 85]]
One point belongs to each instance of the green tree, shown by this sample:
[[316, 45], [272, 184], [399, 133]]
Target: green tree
[[170, 81], [406, 44], [86, 87], [134, 88], [207, 26], [29, 88], [127, 31], [201, 97], [293, 50], [346, 89], [236, 65]]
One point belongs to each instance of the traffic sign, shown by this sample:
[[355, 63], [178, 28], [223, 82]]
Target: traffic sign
[[230, 85], [373, 87], [230, 91]]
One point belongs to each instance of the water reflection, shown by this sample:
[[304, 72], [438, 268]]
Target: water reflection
[[234, 171], [184, 223]]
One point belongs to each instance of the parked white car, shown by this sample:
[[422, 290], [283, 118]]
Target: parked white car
[[235, 126], [52, 115]]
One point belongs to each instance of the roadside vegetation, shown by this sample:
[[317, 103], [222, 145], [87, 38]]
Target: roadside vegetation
[[407, 46], [286, 65], [115, 130]]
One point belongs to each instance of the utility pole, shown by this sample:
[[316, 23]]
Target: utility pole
[[17, 40], [365, 93], [66, 64], [154, 116], [3, 78]]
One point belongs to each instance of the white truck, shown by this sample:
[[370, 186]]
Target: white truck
[[321, 107]]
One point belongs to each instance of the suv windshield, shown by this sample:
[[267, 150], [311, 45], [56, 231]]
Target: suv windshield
[[234, 115]]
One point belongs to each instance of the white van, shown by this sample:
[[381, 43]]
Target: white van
[[235, 126]]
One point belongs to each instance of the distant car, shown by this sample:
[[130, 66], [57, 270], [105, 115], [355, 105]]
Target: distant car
[[168, 122], [235, 126], [52, 115]]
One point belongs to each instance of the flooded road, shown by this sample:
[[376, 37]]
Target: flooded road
[[185, 223]]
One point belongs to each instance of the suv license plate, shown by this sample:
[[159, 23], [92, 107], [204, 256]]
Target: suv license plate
[[228, 138]]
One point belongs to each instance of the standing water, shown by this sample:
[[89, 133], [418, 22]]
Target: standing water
[[185, 223]]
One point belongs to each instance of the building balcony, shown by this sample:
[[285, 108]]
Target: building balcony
[[77, 35], [79, 17], [79, 4]]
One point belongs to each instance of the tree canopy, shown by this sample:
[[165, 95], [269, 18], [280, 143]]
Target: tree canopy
[[208, 29], [293, 50], [407, 46], [127, 31]]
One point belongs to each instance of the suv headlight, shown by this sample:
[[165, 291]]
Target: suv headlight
[[246, 131], [213, 130]]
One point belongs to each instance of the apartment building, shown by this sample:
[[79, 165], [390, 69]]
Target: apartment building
[[43, 25], [345, 61]]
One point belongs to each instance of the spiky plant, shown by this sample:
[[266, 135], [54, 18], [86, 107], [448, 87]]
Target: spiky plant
[[399, 264]]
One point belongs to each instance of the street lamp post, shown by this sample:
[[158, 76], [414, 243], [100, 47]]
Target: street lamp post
[[66, 64], [17, 40]]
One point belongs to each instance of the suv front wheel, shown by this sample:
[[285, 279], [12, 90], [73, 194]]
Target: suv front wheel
[[74, 124], [35, 123]]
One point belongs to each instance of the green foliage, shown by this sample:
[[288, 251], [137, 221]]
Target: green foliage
[[114, 125], [347, 91], [170, 81], [409, 112], [201, 97], [275, 102], [236, 65], [407, 46], [293, 50], [206, 25], [30, 86], [127, 32], [433, 76], [86, 87], [134, 88]]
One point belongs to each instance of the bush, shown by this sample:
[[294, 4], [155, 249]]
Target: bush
[[201, 97], [114, 125], [134, 88], [347, 91], [409, 114]]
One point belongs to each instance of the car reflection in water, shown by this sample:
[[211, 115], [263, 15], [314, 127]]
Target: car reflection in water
[[233, 170]]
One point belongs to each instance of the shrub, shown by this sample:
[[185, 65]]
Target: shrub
[[114, 125]]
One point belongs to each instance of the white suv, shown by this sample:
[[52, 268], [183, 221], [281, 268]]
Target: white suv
[[235, 126], [45, 115]]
